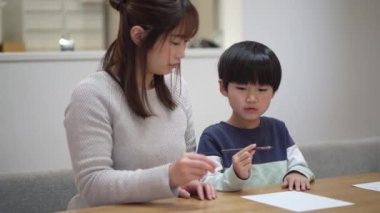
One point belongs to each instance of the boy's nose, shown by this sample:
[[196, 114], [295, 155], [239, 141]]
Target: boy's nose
[[251, 98]]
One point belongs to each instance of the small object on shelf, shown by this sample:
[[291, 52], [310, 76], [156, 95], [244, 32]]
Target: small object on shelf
[[66, 43]]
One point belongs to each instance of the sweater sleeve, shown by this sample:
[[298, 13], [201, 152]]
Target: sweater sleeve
[[296, 162], [89, 135], [223, 181]]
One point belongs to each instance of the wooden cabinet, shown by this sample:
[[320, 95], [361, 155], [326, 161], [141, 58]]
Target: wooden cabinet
[[45, 21], [2, 3]]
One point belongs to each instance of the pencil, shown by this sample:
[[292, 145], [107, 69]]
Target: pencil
[[258, 148]]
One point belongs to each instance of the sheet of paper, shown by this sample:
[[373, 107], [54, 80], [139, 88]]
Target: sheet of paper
[[371, 186], [297, 201]]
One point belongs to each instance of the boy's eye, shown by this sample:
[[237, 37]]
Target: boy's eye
[[263, 88], [241, 87]]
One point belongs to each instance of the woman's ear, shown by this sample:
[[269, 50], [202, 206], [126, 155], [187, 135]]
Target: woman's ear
[[221, 87], [137, 34]]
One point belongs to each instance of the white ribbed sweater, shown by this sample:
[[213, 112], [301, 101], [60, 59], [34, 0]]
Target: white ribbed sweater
[[116, 156]]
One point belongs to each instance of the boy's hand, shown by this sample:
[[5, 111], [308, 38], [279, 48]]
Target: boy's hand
[[242, 161], [296, 181]]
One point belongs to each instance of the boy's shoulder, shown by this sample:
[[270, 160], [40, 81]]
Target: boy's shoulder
[[272, 121], [222, 126], [214, 128]]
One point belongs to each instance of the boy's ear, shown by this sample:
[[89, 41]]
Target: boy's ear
[[137, 34], [274, 93], [221, 87]]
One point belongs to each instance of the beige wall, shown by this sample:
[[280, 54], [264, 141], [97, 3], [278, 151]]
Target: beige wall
[[112, 24], [208, 20]]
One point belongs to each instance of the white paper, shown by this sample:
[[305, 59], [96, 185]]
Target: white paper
[[297, 201], [371, 186]]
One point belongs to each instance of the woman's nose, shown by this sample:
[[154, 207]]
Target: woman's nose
[[180, 53]]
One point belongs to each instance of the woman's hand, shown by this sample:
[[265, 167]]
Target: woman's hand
[[296, 181], [195, 187], [242, 161], [191, 166]]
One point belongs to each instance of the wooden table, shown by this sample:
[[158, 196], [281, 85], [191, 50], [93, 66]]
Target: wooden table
[[337, 187]]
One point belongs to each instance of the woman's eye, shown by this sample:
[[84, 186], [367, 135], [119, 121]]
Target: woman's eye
[[175, 43]]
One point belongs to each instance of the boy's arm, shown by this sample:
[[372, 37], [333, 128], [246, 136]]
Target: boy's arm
[[297, 162], [223, 181]]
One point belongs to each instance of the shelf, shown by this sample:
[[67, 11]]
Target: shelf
[[45, 20]]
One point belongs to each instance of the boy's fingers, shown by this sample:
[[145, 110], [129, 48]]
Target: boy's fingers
[[306, 185], [285, 183], [249, 148]]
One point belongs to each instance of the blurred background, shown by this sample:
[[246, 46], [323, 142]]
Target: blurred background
[[329, 52], [38, 25]]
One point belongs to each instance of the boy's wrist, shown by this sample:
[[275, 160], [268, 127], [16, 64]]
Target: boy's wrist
[[242, 177]]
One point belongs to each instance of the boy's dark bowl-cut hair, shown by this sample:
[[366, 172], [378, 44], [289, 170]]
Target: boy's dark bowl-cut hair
[[250, 62]]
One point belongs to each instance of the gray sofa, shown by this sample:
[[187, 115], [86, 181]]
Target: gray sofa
[[51, 191], [339, 158], [41, 192]]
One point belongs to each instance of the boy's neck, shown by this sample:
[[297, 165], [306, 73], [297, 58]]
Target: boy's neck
[[243, 124]]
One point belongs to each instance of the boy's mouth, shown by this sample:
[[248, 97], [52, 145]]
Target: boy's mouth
[[250, 109]]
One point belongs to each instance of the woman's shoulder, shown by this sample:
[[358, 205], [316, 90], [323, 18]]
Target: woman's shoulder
[[175, 81], [99, 78], [178, 86], [95, 84]]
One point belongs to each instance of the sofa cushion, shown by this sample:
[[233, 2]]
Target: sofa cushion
[[338, 158], [46, 191]]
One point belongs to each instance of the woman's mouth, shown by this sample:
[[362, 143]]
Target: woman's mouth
[[173, 66]]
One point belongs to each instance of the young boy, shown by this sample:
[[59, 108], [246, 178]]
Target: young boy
[[250, 149]]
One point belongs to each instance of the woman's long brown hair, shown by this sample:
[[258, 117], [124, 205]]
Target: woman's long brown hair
[[158, 18]]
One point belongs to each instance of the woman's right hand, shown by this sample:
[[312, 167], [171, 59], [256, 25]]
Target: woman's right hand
[[191, 166]]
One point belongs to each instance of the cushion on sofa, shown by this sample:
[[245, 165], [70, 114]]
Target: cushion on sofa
[[338, 158], [45, 191]]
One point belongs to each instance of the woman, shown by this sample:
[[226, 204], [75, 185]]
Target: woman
[[129, 127]]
